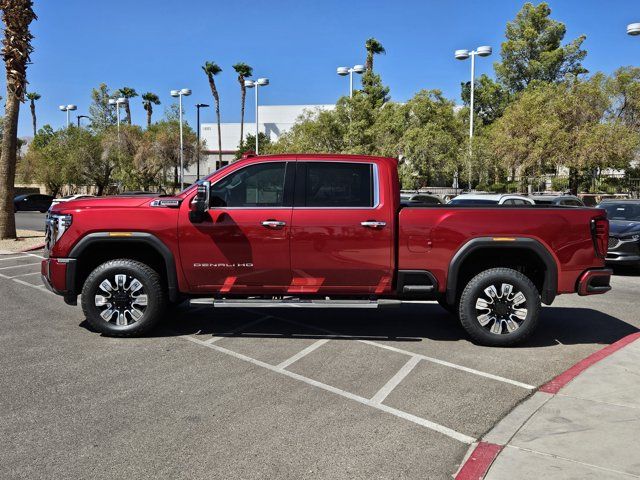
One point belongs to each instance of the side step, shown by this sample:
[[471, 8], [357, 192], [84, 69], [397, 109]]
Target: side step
[[292, 303]]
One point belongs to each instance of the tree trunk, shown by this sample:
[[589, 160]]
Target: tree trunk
[[33, 117], [8, 165], [149, 112], [243, 96], [219, 129], [573, 180], [127, 110], [369, 63]]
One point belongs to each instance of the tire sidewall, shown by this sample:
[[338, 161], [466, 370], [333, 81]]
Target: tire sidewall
[[150, 283], [467, 309]]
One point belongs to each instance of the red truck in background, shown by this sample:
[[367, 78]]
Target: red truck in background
[[319, 230]]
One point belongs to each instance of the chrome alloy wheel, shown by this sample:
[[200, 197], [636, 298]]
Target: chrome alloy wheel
[[123, 302], [501, 313]]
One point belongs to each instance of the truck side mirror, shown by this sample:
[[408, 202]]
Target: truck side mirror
[[200, 203]]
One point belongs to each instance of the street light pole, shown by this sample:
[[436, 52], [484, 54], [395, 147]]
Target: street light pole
[[261, 82], [343, 71], [198, 107], [483, 51], [181, 93]]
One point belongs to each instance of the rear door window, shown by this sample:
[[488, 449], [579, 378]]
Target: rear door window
[[334, 184]]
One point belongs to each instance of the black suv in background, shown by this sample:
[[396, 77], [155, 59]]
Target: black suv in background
[[624, 231], [32, 202]]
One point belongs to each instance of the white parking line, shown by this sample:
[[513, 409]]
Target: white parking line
[[395, 380], [18, 266], [34, 255], [3, 258], [303, 353], [25, 274], [422, 357], [461, 437]]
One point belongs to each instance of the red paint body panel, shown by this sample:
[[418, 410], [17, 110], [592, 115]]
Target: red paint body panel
[[324, 250]]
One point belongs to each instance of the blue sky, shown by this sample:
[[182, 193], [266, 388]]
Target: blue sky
[[158, 45]]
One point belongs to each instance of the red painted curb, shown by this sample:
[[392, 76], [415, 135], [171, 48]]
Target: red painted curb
[[478, 463], [31, 249], [561, 380]]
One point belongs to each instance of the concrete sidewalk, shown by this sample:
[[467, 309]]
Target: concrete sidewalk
[[584, 425]]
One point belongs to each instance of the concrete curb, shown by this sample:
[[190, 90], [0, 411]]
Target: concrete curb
[[31, 249], [480, 457]]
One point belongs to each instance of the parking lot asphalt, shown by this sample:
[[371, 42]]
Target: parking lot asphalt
[[269, 393], [30, 221]]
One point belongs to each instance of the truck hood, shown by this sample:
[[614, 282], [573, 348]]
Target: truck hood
[[618, 228], [106, 202]]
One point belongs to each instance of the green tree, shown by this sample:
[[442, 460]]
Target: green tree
[[249, 144], [211, 69], [490, 98], [148, 101], [534, 51], [243, 70], [102, 114], [128, 93], [624, 88], [17, 15], [374, 47], [32, 97]]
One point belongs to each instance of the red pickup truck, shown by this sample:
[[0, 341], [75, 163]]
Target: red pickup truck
[[319, 230]]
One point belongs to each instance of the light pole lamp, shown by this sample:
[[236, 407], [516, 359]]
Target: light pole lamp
[[483, 51], [633, 29], [79, 117], [116, 102], [67, 108], [344, 71], [184, 92], [198, 107], [261, 82]]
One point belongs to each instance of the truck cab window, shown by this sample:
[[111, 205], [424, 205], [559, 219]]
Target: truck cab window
[[259, 185], [333, 184]]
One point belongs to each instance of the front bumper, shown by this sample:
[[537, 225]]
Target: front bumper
[[623, 252], [594, 281], [58, 275]]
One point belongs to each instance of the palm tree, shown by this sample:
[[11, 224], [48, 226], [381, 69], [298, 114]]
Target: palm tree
[[243, 70], [32, 97], [374, 47], [211, 69], [17, 15], [148, 101], [127, 93]]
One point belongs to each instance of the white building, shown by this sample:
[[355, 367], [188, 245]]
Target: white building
[[274, 120]]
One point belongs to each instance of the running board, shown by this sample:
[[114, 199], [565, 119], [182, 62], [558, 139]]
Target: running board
[[293, 303]]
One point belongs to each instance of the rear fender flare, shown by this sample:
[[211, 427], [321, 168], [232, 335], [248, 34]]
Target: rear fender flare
[[550, 286]]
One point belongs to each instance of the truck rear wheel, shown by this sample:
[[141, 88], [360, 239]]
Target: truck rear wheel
[[499, 307], [123, 298]]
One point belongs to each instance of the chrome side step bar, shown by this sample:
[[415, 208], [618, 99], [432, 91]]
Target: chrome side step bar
[[293, 303]]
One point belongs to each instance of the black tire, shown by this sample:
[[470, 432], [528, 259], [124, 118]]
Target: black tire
[[151, 286], [514, 319]]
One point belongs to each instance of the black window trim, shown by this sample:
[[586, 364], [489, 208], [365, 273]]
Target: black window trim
[[300, 185]]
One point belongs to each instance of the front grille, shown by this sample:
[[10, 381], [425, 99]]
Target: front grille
[[613, 243]]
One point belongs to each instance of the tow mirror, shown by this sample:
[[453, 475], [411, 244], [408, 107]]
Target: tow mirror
[[200, 203]]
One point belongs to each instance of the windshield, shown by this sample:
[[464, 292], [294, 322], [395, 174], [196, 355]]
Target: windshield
[[622, 211], [472, 201]]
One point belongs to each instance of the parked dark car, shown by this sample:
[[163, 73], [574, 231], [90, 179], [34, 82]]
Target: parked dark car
[[624, 231], [565, 200], [419, 198], [32, 202]]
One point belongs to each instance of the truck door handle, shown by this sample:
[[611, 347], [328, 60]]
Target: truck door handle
[[373, 224], [273, 224]]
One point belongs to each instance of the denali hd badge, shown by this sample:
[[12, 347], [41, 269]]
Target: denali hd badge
[[223, 265]]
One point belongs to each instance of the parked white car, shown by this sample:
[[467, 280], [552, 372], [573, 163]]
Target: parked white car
[[68, 198], [491, 199]]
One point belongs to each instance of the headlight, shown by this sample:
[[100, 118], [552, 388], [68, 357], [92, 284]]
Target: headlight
[[55, 226]]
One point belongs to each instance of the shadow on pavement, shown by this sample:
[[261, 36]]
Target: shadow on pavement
[[407, 323]]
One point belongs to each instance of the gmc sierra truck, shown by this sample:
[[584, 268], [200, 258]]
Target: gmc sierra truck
[[319, 231]]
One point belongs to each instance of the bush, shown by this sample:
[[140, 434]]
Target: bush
[[560, 184]]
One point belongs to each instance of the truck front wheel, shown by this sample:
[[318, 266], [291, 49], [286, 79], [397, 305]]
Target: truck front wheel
[[123, 298], [499, 307]]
